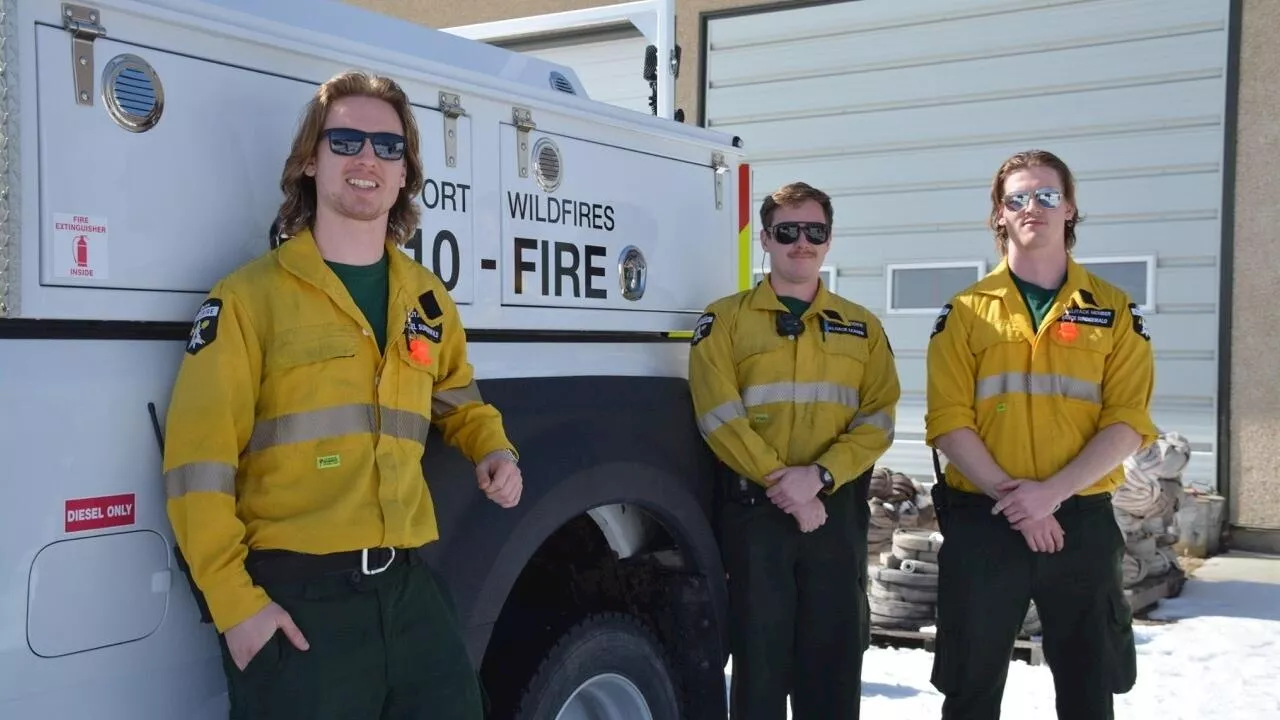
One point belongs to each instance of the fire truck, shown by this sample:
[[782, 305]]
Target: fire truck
[[141, 145]]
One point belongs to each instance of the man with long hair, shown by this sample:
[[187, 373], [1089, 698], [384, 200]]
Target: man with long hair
[[1040, 378], [795, 390], [296, 434]]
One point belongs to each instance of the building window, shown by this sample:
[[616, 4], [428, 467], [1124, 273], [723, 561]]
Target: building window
[[828, 273], [923, 288], [1135, 275]]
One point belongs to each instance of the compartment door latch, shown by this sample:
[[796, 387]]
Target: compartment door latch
[[84, 25]]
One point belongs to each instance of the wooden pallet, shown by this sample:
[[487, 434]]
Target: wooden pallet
[[1146, 594], [1026, 650]]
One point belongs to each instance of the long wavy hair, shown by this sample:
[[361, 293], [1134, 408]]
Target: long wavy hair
[[1021, 161], [298, 211]]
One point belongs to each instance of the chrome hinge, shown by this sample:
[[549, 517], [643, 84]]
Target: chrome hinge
[[451, 107], [722, 168], [82, 23], [523, 119]]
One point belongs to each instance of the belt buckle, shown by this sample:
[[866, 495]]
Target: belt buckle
[[364, 562]]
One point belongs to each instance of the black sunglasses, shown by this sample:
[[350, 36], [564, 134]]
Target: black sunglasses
[[1048, 198], [347, 141], [789, 232]]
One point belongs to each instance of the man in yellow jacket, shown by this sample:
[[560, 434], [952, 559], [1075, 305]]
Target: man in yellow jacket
[[296, 432], [795, 391], [1039, 386]]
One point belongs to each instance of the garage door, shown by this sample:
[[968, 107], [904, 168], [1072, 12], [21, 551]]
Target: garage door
[[610, 65], [903, 112]]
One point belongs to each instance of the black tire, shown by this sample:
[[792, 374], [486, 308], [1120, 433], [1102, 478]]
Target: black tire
[[606, 643]]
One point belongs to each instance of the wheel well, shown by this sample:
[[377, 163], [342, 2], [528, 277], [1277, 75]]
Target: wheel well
[[614, 558]]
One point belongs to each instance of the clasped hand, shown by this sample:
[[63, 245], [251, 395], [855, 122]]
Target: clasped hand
[[1029, 508], [795, 491]]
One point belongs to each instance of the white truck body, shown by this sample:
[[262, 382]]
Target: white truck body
[[111, 235]]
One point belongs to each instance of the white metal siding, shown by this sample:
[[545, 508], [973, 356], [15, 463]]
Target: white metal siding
[[610, 67], [903, 112]]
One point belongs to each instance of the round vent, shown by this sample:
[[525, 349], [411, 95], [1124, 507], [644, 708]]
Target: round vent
[[547, 169], [561, 83], [132, 93]]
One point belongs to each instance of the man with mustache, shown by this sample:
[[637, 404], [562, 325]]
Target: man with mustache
[[1039, 386], [795, 390]]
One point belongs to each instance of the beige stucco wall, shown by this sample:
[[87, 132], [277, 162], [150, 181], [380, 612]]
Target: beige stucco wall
[[1255, 341], [1255, 351]]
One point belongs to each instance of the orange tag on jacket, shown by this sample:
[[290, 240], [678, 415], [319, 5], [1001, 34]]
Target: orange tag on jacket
[[420, 351], [1068, 331]]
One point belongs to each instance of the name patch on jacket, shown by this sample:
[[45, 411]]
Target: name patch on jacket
[[856, 328], [703, 328], [1099, 317], [415, 325], [205, 328]]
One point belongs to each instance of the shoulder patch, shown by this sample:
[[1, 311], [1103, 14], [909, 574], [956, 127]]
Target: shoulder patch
[[888, 344], [1139, 321], [703, 329], [430, 305], [941, 323], [204, 330]]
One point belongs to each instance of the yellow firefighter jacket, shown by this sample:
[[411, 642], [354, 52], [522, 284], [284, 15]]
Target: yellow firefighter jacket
[[766, 401], [1037, 398], [289, 429]]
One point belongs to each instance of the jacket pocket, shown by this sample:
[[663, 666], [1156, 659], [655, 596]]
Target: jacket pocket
[[310, 344]]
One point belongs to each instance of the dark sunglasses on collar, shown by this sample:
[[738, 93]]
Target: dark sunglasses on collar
[[348, 142], [787, 233], [1047, 198]]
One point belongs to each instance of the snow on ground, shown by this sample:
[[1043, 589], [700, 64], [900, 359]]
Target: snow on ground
[[1216, 652]]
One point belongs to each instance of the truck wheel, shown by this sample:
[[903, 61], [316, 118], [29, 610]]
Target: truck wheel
[[607, 667]]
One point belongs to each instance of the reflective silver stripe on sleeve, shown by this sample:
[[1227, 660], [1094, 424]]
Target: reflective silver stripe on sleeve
[[800, 393], [214, 477], [405, 425], [311, 425], [878, 419], [1038, 384], [446, 401], [721, 415]]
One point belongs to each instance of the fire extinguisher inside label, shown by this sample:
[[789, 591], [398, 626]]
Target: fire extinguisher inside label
[[80, 246]]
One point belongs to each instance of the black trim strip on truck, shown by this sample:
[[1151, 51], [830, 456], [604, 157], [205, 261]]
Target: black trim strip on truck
[[29, 329]]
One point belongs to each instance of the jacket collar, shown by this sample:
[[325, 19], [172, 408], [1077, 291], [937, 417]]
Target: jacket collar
[[1078, 290], [763, 297], [300, 256]]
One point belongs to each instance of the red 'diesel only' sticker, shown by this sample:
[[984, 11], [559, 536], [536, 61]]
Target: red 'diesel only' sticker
[[100, 512]]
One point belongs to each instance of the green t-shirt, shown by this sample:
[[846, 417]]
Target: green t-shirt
[[1038, 299], [368, 285], [795, 305]]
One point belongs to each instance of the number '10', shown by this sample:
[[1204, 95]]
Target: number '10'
[[443, 238]]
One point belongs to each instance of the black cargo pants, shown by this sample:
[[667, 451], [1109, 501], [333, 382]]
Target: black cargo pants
[[988, 574], [798, 612], [382, 647]]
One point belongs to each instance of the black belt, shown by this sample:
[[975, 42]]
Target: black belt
[[290, 566], [744, 491]]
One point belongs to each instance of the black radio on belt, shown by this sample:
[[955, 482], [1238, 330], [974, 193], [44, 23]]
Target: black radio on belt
[[789, 325]]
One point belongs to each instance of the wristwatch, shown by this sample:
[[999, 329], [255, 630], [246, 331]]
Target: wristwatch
[[828, 480]]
